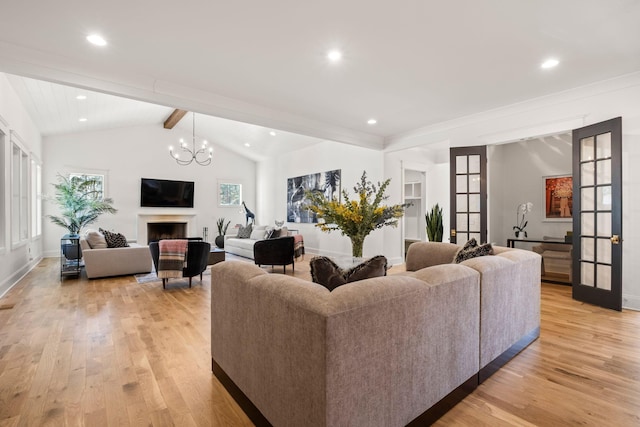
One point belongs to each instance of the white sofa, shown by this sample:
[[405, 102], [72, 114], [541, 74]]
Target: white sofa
[[115, 261], [244, 247]]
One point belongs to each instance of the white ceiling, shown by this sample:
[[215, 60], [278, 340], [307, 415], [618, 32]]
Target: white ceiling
[[408, 63], [56, 110]]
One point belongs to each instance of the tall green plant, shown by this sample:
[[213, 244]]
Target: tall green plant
[[80, 203], [434, 224]]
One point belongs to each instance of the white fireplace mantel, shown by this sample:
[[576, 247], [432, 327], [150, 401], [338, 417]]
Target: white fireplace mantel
[[143, 220]]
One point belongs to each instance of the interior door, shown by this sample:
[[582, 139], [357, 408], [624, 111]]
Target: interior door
[[468, 194], [597, 218]]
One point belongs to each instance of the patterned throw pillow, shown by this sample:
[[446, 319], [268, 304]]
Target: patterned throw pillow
[[245, 232], [473, 250], [327, 273], [114, 240]]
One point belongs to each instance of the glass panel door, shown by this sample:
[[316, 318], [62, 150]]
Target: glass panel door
[[468, 194], [597, 224]]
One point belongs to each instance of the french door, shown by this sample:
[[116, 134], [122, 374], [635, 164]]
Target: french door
[[469, 194], [597, 216]]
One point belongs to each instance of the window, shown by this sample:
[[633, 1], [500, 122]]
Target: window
[[229, 195], [36, 198], [97, 190], [3, 167], [19, 192]]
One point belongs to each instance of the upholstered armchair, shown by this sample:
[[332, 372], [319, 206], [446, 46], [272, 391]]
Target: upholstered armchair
[[197, 257], [278, 251]]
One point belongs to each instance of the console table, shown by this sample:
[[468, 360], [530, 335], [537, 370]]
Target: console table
[[511, 243], [549, 276]]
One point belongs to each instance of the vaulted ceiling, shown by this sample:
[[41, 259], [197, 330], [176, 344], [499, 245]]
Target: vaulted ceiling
[[408, 63]]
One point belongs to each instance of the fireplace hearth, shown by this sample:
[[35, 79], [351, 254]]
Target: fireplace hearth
[[188, 225], [166, 230]]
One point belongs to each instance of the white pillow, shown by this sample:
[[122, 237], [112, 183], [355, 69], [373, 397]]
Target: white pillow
[[96, 240], [257, 234]]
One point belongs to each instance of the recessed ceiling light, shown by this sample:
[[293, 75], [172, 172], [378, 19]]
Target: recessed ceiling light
[[246, 144], [96, 40], [372, 121], [82, 119], [550, 63], [272, 133], [81, 97], [334, 55]]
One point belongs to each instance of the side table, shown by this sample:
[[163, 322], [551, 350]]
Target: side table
[[216, 255]]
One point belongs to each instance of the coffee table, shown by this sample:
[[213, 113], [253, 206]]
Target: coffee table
[[216, 255]]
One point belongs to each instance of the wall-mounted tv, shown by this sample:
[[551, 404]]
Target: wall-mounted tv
[[163, 193]]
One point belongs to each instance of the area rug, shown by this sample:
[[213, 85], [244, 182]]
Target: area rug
[[153, 277]]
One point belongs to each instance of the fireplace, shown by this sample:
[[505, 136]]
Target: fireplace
[[186, 226], [166, 230]]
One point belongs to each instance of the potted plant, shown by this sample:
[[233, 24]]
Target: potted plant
[[80, 203], [434, 224], [521, 223], [222, 230]]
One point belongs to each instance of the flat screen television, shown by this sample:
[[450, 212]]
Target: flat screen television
[[164, 193]]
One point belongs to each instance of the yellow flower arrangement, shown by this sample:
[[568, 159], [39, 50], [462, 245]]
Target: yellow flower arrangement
[[356, 218]]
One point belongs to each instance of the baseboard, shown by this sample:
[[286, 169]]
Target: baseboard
[[13, 280], [631, 302], [428, 417], [497, 363], [238, 395], [445, 404]]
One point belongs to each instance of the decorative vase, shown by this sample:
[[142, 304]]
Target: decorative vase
[[356, 246], [219, 241], [521, 234]]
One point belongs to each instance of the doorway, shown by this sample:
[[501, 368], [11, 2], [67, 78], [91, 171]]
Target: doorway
[[414, 182]]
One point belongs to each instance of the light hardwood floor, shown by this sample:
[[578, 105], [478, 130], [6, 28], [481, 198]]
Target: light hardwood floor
[[118, 353]]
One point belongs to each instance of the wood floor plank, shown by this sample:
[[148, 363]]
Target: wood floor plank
[[117, 353]]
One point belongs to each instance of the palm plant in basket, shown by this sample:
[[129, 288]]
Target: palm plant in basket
[[79, 199], [80, 202]]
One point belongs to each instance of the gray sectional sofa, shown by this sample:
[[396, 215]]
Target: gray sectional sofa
[[385, 351]]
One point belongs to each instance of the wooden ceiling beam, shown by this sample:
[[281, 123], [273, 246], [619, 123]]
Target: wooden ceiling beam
[[174, 118]]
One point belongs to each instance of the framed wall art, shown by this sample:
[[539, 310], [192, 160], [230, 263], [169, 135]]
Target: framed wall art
[[297, 202], [558, 197]]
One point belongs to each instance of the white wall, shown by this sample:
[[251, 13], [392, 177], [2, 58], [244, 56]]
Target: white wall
[[16, 261], [128, 154], [559, 113], [522, 166], [328, 155], [437, 190]]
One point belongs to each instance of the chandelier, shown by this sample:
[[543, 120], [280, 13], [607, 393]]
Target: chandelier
[[201, 156]]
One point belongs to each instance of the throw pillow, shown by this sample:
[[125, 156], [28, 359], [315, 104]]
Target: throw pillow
[[327, 273], [275, 233], [114, 240], [245, 232], [373, 267], [471, 243], [473, 252], [96, 240], [257, 233]]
